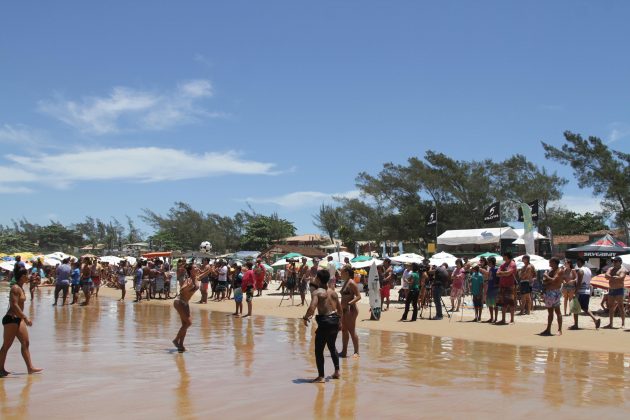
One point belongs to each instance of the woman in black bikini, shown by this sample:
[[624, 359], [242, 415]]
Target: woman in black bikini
[[181, 305], [349, 297], [13, 325]]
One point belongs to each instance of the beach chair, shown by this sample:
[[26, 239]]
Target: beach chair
[[537, 294]]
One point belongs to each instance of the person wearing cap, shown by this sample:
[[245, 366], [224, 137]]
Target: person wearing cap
[[616, 276]]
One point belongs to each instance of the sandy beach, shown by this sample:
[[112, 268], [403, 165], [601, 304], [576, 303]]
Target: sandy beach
[[115, 359], [524, 332]]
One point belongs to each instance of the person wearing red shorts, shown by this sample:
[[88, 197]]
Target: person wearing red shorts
[[386, 282]]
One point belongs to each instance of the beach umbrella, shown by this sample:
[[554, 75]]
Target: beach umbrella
[[361, 258], [131, 260], [443, 257], [600, 282], [282, 262], [291, 255], [10, 265], [366, 264], [408, 258], [88, 256], [110, 259]]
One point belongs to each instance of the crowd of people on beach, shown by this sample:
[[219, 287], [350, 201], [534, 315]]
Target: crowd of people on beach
[[335, 292]]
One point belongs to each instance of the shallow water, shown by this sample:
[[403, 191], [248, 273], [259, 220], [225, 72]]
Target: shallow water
[[117, 359]]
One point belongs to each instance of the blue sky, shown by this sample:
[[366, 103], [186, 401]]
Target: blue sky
[[107, 108]]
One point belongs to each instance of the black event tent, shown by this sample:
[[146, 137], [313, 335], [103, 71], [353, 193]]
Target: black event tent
[[605, 247]]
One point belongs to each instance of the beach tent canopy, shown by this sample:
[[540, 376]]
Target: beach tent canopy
[[476, 236], [604, 247]]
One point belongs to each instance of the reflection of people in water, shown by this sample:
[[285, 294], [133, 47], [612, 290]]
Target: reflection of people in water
[[326, 302], [15, 322], [12, 407], [181, 304], [184, 406]]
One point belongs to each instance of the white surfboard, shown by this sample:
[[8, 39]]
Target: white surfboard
[[374, 292]]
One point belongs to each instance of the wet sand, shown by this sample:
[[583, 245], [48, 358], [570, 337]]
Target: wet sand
[[116, 359], [524, 332]]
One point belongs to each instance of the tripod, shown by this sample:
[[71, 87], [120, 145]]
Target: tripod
[[428, 301]]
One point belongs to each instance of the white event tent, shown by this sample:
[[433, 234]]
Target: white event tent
[[476, 236]]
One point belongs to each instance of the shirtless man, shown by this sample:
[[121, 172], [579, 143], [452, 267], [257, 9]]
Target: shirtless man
[[616, 276], [326, 301], [13, 325], [552, 283], [182, 305], [527, 275]]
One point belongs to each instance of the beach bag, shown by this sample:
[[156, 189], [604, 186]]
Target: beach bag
[[575, 306]]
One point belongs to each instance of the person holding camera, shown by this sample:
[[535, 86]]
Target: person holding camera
[[440, 279]]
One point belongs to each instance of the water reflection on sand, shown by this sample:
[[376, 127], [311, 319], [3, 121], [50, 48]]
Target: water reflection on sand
[[116, 358]]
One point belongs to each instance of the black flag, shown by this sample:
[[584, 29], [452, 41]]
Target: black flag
[[432, 218], [492, 213], [533, 205]]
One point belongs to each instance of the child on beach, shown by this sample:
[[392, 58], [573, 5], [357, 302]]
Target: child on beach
[[476, 281]]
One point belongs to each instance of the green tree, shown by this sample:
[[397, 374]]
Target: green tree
[[328, 220], [262, 231], [566, 222], [596, 166]]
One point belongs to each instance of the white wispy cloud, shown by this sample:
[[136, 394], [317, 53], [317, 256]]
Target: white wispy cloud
[[19, 135], [125, 108], [141, 164], [618, 131], [300, 199]]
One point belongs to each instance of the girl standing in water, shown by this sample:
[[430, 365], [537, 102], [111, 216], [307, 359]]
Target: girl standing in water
[[181, 303], [13, 325], [349, 298]]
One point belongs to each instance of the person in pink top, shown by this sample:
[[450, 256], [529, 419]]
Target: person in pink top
[[248, 286], [507, 282], [457, 284]]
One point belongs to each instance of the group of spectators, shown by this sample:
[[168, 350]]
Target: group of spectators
[[497, 286]]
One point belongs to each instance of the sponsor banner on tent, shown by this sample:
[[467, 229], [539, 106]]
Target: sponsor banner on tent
[[492, 213], [533, 207]]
